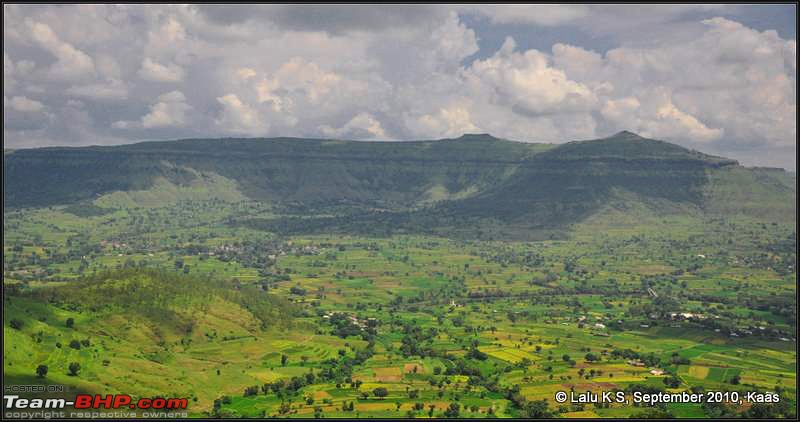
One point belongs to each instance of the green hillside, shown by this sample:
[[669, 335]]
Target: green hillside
[[305, 171], [143, 331], [419, 186]]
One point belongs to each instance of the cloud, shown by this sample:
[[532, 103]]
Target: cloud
[[361, 126], [239, 118], [336, 19], [157, 72], [246, 73], [527, 83], [8, 70], [690, 74], [733, 87], [169, 111], [71, 64], [658, 118], [298, 76], [108, 90], [453, 41], [23, 104], [537, 14], [168, 35], [447, 122]]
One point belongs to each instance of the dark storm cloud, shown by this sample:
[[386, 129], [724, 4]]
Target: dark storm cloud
[[327, 17]]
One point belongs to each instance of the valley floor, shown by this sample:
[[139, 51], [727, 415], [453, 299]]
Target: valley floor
[[177, 303]]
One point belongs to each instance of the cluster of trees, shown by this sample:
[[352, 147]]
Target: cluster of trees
[[533, 409], [344, 327], [649, 359], [418, 342]]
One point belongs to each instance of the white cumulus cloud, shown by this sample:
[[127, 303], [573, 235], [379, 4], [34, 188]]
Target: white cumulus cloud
[[239, 118], [153, 71], [71, 63], [361, 126]]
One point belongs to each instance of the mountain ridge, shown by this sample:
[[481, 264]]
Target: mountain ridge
[[475, 176]]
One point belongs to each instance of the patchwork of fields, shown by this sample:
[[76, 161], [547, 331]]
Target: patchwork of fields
[[398, 326]]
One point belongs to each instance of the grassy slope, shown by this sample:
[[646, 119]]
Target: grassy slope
[[141, 342], [765, 194]]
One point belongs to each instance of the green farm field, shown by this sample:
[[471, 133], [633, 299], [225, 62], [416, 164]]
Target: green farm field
[[487, 325]]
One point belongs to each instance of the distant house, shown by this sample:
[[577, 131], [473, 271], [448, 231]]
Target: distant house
[[599, 325], [656, 372], [636, 363]]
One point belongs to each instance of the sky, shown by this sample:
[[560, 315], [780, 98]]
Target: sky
[[718, 78]]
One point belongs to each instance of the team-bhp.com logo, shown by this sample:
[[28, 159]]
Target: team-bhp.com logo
[[87, 401]]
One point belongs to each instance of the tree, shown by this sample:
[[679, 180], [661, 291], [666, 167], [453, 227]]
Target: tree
[[735, 380], [672, 382], [284, 359], [537, 409], [74, 368], [474, 353], [453, 410], [41, 371], [380, 392], [70, 322], [16, 324]]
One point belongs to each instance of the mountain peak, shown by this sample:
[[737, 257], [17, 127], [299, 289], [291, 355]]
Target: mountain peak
[[477, 137], [626, 134]]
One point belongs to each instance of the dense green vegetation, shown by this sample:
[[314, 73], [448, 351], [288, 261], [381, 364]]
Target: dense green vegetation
[[471, 277]]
